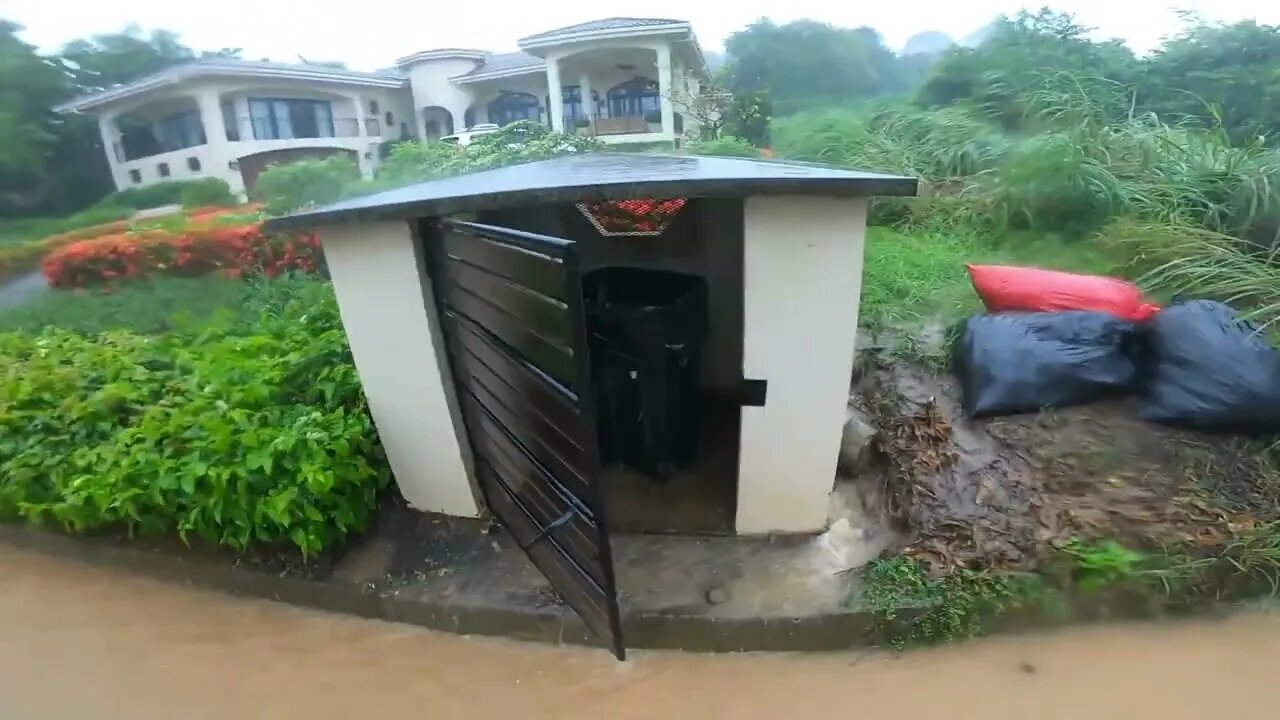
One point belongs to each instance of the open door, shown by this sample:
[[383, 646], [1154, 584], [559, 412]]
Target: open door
[[511, 304]]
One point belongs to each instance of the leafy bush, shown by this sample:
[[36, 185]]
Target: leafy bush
[[726, 146], [238, 436], [305, 183], [131, 256], [208, 192]]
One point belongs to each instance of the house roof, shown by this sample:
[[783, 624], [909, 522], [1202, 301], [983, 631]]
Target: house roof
[[597, 176], [501, 64], [221, 66], [613, 23]]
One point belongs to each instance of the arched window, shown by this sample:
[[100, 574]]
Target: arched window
[[510, 107], [633, 98]]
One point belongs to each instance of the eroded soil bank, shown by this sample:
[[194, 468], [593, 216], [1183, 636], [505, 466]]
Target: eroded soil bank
[[1005, 492]]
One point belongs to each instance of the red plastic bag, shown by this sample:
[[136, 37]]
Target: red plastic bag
[[1005, 288]]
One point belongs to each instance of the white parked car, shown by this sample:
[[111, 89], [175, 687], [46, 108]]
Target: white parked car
[[464, 138]]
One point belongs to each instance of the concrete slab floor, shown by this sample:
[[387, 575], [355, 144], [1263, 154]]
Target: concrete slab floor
[[417, 557]]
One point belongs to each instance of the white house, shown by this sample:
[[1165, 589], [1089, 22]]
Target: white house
[[622, 80]]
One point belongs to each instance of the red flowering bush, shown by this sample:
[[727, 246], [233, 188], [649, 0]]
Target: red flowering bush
[[233, 251]]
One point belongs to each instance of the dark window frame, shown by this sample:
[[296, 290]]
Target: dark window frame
[[636, 97], [511, 107], [286, 119], [135, 175]]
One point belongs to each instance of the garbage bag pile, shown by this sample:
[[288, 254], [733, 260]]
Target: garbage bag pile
[[1054, 339]]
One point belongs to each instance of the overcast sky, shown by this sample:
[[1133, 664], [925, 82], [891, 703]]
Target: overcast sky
[[368, 35]]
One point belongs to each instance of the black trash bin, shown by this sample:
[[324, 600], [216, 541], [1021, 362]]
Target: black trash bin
[[647, 329]]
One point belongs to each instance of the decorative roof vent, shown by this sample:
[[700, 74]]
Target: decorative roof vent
[[632, 217]]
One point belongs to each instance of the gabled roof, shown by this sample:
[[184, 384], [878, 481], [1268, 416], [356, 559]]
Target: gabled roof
[[223, 67], [602, 176], [613, 23]]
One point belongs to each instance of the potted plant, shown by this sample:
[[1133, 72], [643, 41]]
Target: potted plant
[[582, 125]]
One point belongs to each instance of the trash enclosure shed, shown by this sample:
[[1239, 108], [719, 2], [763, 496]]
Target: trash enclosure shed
[[601, 341]]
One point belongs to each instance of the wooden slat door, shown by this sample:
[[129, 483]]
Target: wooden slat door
[[511, 304]]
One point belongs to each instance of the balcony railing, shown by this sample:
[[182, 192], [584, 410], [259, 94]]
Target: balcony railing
[[263, 129]]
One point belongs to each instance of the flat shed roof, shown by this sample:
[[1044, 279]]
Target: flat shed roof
[[601, 176]]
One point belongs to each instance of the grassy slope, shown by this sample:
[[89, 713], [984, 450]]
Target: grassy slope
[[913, 278]]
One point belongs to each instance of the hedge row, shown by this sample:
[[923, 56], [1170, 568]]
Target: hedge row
[[235, 251]]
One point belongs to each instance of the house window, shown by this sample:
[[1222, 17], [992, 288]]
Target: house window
[[180, 130], [162, 170], [373, 107], [136, 176], [391, 119], [404, 130], [193, 164], [229, 120], [634, 98], [286, 119], [372, 127], [513, 106]]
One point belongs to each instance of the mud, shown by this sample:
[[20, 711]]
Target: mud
[[1005, 492]]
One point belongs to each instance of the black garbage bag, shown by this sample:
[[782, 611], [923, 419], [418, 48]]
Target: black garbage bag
[[1021, 362], [1207, 368]]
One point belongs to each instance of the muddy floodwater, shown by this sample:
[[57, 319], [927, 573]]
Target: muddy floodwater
[[84, 642]]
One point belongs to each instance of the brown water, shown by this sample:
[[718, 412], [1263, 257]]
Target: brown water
[[82, 642]]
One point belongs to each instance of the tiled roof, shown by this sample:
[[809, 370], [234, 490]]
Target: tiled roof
[[613, 23], [499, 62], [233, 66]]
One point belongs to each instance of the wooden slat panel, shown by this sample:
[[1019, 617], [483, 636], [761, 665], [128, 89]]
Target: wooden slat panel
[[554, 359], [545, 316], [554, 436], [487, 413], [540, 273], [577, 589], [579, 536], [554, 402]]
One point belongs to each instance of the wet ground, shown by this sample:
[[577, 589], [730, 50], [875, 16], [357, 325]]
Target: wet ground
[[1004, 492], [82, 642]]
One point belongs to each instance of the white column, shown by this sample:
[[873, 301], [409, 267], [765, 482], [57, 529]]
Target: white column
[[664, 90], [389, 314], [555, 94], [110, 141], [359, 115], [588, 105], [215, 132], [243, 119], [802, 276]]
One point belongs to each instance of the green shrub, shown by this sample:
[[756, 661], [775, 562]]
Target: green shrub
[[727, 146], [237, 435], [305, 183], [208, 192], [149, 196]]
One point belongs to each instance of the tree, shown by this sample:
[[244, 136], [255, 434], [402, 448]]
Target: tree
[[1017, 57], [806, 62], [1212, 73], [114, 58], [29, 85]]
